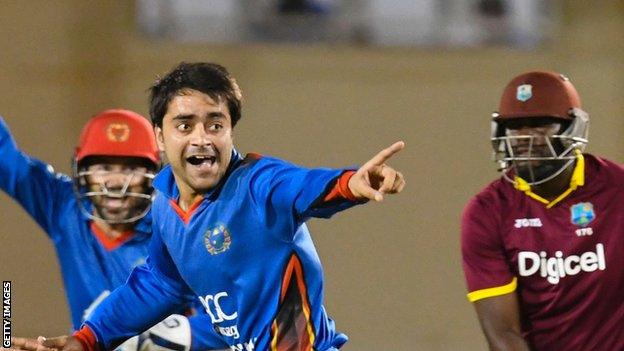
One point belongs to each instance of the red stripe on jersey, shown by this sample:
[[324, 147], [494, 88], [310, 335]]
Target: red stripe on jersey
[[292, 328], [341, 189]]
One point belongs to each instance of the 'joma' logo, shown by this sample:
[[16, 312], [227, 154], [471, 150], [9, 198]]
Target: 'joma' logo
[[528, 222]]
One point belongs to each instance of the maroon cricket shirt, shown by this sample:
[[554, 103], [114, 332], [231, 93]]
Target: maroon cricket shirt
[[568, 260]]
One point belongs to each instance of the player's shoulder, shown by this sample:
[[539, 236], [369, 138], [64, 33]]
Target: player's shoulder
[[494, 194], [600, 169], [256, 171], [254, 163], [251, 158], [492, 203], [254, 158], [248, 165], [602, 163]]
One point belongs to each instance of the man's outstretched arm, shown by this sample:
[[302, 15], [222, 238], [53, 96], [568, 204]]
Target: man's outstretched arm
[[152, 292], [321, 192]]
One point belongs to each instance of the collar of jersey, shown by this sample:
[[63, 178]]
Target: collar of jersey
[[165, 182], [577, 179]]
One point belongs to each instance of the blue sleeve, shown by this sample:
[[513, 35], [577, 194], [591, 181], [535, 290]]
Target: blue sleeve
[[203, 335], [32, 183], [152, 292], [281, 186]]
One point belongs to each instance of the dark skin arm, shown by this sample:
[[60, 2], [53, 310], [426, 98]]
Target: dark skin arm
[[500, 320]]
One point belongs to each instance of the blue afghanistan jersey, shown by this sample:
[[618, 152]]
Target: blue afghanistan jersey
[[244, 252], [89, 270]]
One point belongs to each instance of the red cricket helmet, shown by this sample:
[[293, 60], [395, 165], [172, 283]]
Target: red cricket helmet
[[538, 94], [118, 132]]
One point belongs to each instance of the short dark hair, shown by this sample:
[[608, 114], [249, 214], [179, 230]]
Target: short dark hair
[[209, 78]]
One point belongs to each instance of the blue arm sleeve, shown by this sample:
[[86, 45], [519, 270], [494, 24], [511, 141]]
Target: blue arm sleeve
[[152, 292], [32, 183], [282, 186]]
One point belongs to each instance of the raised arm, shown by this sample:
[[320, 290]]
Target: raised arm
[[32, 183]]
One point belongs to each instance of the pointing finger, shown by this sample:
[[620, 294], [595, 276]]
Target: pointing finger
[[385, 154]]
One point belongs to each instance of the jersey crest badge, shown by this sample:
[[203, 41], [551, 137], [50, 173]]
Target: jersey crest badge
[[217, 240], [118, 132], [582, 213], [524, 92]]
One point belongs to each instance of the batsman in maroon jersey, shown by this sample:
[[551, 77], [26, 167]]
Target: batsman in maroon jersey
[[543, 247]]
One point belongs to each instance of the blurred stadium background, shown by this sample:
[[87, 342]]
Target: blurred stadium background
[[325, 82]]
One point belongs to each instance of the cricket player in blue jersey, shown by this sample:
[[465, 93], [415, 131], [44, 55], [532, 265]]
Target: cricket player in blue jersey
[[230, 230], [98, 220]]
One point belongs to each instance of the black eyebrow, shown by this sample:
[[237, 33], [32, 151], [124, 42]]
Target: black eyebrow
[[186, 117], [183, 117], [215, 114]]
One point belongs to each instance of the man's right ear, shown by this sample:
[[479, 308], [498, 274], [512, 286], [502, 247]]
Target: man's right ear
[[159, 138]]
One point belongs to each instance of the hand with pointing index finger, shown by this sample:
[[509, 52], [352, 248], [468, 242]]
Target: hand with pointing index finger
[[375, 178]]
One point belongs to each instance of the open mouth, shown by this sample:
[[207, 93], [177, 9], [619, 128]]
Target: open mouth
[[113, 203], [198, 160]]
